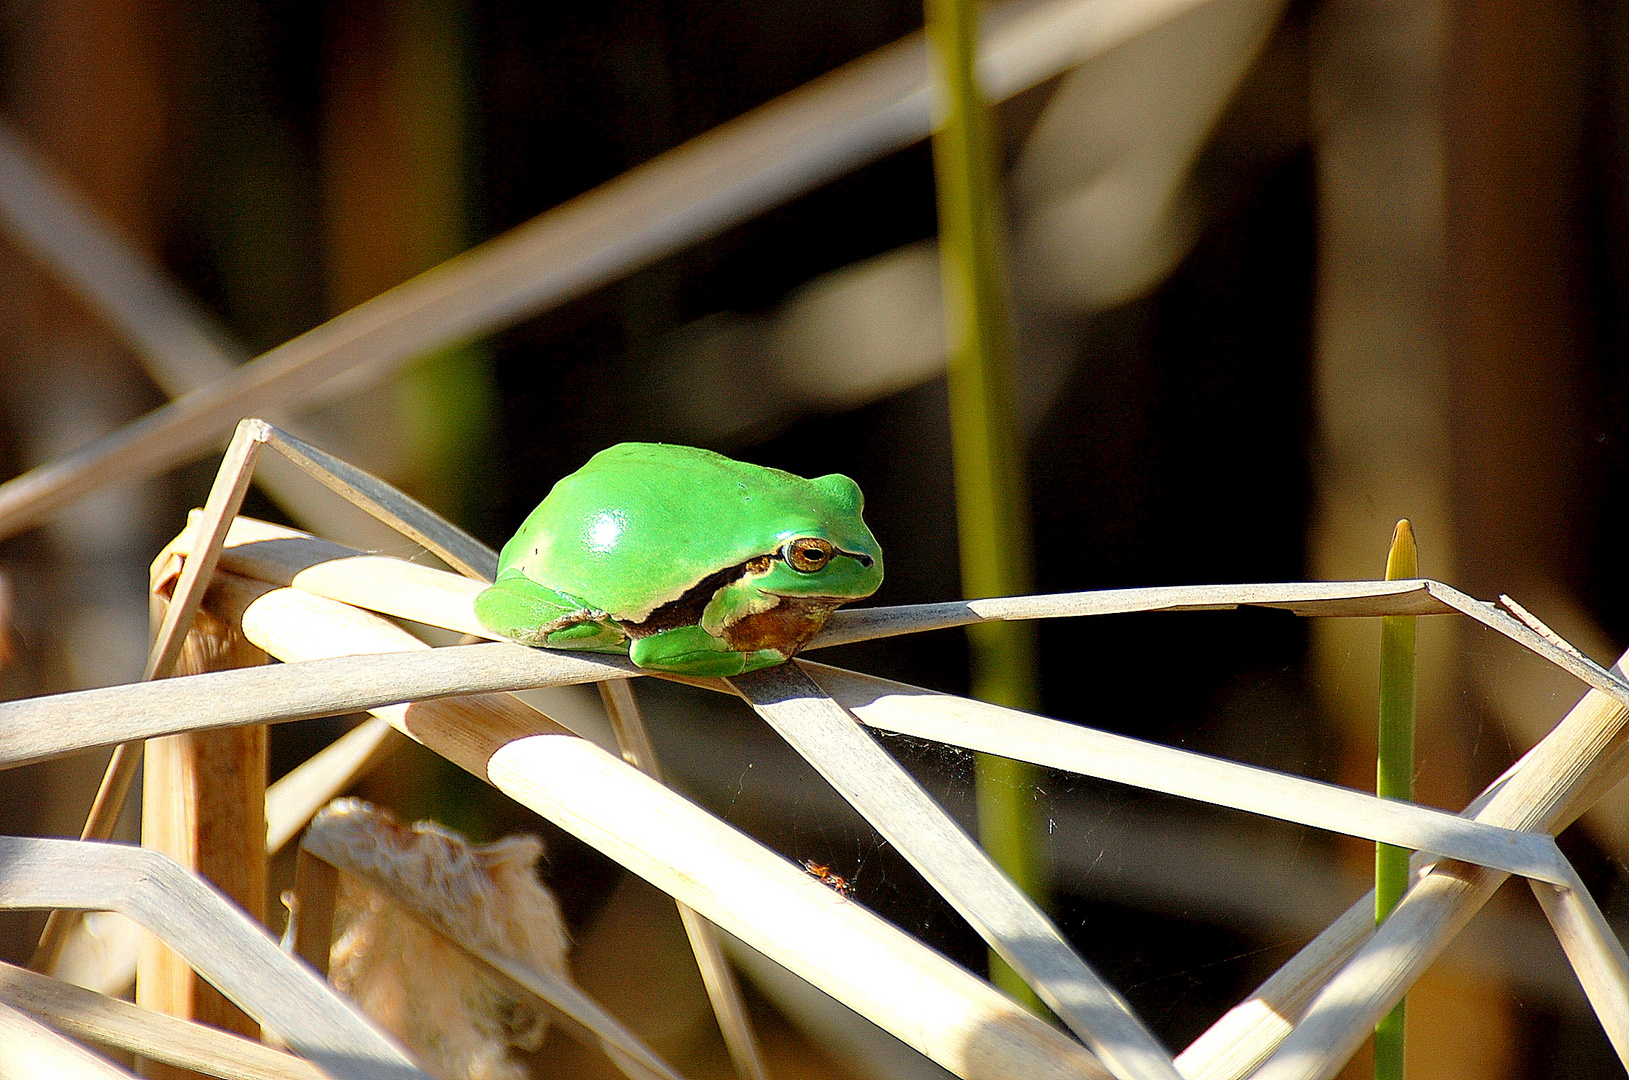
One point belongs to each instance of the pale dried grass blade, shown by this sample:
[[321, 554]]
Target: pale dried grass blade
[[920, 830], [209, 533], [1328, 598], [723, 991], [282, 556], [384, 585], [1420, 596], [931, 1004], [993, 729], [755, 894], [309, 786], [94, 1017], [33, 1049], [1545, 791], [1546, 643], [232, 952], [41, 213], [42, 728], [869, 108], [455, 547], [1596, 955]]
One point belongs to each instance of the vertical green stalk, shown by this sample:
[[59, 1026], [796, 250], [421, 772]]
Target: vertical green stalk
[[447, 394], [445, 398], [1394, 773], [992, 518]]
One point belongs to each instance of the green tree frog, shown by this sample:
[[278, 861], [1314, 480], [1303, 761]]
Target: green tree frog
[[688, 561]]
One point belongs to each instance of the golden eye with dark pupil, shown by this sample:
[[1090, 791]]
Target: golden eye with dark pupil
[[808, 554]]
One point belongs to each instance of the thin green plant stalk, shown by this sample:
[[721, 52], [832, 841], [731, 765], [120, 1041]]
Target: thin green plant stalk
[[1394, 773], [446, 395], [992, 516]]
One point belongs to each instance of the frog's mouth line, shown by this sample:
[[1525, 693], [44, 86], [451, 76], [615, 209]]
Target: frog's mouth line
[[687, 609]]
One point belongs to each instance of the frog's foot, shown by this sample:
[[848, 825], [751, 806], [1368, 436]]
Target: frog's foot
[[604, 637], [690, 650], [520, 609]]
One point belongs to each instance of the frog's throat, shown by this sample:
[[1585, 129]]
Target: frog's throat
[[785, 626]]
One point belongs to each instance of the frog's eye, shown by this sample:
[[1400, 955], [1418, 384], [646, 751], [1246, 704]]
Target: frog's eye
[[807, 553]]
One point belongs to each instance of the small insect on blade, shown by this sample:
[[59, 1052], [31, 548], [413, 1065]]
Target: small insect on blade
[[836, 882]]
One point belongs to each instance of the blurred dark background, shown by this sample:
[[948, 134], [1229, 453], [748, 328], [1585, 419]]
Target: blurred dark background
[[1282, 275]]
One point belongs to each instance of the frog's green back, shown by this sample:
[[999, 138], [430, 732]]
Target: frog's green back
[[640, 523]]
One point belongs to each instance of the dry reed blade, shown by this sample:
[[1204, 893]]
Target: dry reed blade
[[235, 954], [830, 739], [1596, 955], [755, 894], [42, 728], [283, 556], [452, 545], [1085, 751], [225, 499], [295, 798], [723, 991], [1310, 598], [1545, 791], [111, 1022], [856, 114], [34, 1049]]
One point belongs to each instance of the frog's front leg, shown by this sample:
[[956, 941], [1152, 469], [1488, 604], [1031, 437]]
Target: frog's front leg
[[520, 609], [691, 650]]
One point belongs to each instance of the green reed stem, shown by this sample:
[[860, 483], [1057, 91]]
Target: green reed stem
[[992, 516], [446, 396], [1394, 773]]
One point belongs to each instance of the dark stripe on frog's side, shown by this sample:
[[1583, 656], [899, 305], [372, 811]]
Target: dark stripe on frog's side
[[787, 626], [687, 609]]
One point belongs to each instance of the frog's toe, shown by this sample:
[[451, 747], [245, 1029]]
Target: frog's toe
[[762, 658]]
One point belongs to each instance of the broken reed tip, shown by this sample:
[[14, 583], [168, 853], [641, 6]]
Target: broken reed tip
[[1403, 560]]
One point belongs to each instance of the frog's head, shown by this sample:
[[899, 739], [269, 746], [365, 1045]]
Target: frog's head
[[818, 558], [827, 554]]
